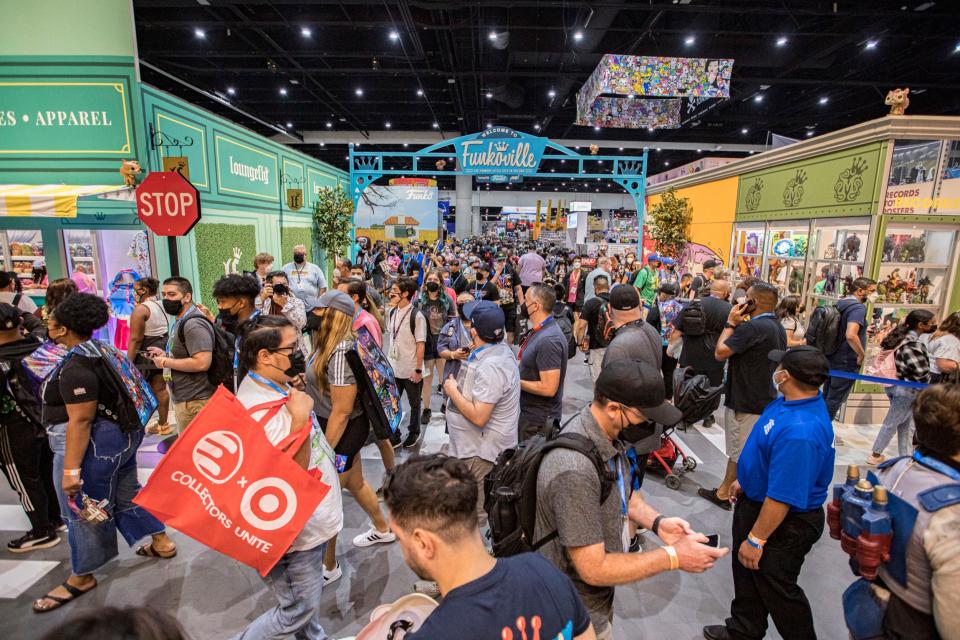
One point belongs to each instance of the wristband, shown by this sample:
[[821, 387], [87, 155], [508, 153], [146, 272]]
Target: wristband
[[655, 527], [71, 472], [674, 560], [755, 542]]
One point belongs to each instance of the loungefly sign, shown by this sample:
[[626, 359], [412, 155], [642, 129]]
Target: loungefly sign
[[500, 151]]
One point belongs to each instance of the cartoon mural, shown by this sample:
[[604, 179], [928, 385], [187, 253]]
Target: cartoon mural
[[399, 212]]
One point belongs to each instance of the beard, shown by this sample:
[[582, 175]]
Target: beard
[[422, 573]]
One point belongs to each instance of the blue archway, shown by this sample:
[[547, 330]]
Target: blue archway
[[502, 155]]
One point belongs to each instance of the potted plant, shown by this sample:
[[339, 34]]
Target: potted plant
[[332, 223]]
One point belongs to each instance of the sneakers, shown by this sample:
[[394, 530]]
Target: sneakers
[[395, 440], [427, 588], [332, 576], [425, 418], [443, 408], [875, 459], [412, 440], [372, 537], [711, 495], [33, 540]]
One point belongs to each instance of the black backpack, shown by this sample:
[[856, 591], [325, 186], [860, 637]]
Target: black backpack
[[510, 489], [694, 319], [823, 332], [564, 323], [607, 329], [221, 362]]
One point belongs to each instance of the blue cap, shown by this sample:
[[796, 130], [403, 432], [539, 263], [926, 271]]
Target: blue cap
[[654, 257], [668, 261], [487, 318]]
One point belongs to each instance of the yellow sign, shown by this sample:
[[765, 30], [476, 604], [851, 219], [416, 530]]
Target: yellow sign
[[180, 164], [295, 199]]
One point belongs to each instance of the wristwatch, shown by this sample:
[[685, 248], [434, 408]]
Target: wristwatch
[[729, 325], [418, 370]]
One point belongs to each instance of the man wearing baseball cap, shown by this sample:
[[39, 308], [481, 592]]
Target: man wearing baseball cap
[[583, 529], [702, 281], [484, 398], [783, 477], [646, 281]]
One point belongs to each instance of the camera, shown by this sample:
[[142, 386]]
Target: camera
[[281, 289]]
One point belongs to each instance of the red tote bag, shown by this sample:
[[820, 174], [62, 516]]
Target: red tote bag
[[223, 484]]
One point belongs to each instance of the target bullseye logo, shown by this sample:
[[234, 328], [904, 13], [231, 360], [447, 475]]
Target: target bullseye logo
[[218, 456], [268, 504]]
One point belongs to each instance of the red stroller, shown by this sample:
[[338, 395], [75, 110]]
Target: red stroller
[[696, 399]]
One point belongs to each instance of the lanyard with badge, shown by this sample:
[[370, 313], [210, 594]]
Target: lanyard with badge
[[526, 340], [236, 348], [395, 331], [624, 502]]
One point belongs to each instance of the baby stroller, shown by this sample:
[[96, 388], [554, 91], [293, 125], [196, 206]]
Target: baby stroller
[[696, 399]]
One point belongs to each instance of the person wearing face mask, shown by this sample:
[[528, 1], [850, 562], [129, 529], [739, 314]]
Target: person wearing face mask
[[188, 353], [783, 477], [458, 281], [438, 308], [913, 365], [239, 315], [407, 330], [576, 287], [148, 328], [274, 361], [852, 344], [332, 384], [482, 287], [307, 280], [510, 292], [588, 539]]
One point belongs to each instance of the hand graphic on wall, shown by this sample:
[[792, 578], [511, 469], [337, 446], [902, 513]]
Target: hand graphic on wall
[[230, 266]]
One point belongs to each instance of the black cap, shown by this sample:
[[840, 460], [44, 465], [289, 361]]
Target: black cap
[[805, 363], [668, 288], [636, 384], [9, 317], [487, 318], [711, 264], [624, 297]]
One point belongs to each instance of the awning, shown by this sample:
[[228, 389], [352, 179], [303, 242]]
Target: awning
[[48, 200]]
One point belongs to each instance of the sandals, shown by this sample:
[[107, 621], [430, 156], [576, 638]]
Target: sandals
[[148, 551], [59, 601], [160, 429]]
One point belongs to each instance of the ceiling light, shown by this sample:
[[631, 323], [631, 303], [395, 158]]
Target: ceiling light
[[824, 100], [489, 125], [551, 94], [359, 91], [329, 125], [419, 92], [306, 32], [781, 41], [323, 144], [689, 40], [870, 44], [744, 131], [536, 127], [956, 49], [758, 97], [489, 94], [283, 91], [394, 36], [405, 145], [492, 36], [809, 134], [578, 36], [596, 128], [200, 33], [667, 163], [231, 91], [436, 126], [289, 125], [563, 162], [387, 125], [658, 148]]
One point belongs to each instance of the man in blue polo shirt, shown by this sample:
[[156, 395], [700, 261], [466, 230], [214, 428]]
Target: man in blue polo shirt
[[783, 476]]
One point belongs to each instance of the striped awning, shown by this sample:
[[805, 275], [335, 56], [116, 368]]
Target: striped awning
[[48, 200]]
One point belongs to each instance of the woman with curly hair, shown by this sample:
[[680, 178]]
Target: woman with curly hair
[[93, 456], [57, 292]]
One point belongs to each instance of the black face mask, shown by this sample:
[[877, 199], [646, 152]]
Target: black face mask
[[299, 257], [172, 307], [298, 364], [633, 433], [433, 287], [313, 322], [228, 320]]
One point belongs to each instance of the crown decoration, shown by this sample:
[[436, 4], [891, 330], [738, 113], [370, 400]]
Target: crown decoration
[[501, 146], [630, 167], [366, 164]]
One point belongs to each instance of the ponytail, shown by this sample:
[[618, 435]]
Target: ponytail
[[910, 323]]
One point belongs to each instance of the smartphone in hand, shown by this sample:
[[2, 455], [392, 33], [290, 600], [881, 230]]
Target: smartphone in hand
[[713, 540]]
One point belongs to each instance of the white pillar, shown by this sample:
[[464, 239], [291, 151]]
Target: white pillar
[[464, 219]]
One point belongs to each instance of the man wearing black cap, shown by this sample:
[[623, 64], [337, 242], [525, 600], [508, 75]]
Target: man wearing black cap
[[485, 395], [783, 477], [660, 317], [702, 282], [592, 537], [482, 286]]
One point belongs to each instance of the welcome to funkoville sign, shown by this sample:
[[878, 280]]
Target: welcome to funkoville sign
[[499, 151], [64, 118]]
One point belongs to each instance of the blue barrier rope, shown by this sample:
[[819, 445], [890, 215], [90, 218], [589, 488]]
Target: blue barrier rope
[[889, 381]]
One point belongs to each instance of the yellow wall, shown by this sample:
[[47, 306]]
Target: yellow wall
[[714, 204]]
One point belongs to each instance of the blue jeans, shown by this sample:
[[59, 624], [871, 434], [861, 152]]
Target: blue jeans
[[297, 581], [836, 390], [899, 420], [108, 470]]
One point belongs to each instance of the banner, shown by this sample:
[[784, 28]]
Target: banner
[[499, 152], [403, 213]]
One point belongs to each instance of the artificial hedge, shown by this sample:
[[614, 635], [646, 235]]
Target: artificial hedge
[[215, 243], [291, 237]]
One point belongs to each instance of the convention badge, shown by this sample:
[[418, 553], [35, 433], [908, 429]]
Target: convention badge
[[626, 534], [167, 375], [394, 352]]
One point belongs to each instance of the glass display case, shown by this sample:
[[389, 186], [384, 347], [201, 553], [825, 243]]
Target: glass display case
[[80, 249], [837, 254], [20, 251], [785, 257], [747, 250]]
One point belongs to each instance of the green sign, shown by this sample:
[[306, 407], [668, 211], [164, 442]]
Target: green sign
[[315, 181], [192, 145], [244, 170], [836, 184], [88, 118]]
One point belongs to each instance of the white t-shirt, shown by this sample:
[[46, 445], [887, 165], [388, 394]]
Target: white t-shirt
[[946, 347], [402, 351], [790, 323], [327, 519], [25, 304]]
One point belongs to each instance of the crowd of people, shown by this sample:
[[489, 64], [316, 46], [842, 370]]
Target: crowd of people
[[486, 330]]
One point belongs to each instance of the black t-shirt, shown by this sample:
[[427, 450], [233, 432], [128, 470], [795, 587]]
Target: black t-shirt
[[698, 351], [458, 282], [749, 386], [487, 291], [591, 315], [507, 283], [524, 587], [75, 382]]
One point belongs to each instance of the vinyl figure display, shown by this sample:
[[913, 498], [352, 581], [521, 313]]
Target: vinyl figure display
[[121, 299]]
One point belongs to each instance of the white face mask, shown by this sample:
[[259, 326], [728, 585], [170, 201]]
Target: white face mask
[[776, 385], [873, 297], [576, 265]]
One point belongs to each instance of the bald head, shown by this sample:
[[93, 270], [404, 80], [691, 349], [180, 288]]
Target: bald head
[[720, 289]]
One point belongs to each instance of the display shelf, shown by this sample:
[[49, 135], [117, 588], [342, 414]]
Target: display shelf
[[902, 305], [81, 258], [24, 258], [857, 263], [914, 265]]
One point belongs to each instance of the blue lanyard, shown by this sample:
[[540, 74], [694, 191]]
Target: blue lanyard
[[936, 465], [768, 314], [477, 352], [620, 485], [357, 314], [464, 336], [236, 347], [273, 385]]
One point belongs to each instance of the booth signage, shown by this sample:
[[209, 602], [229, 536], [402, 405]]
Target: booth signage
[[167, 204], [244, 170], [499, 152], [295, 199], [87, 118]]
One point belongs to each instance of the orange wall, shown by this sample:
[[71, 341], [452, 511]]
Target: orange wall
[[714, 204]]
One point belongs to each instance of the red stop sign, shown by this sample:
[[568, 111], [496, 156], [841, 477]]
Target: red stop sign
[[168, 204]]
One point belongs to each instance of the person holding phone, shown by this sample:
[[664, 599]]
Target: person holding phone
[[783, 477], [745, 343], [276, 300]]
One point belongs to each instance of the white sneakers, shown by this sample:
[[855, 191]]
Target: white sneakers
[[372, 537], [332, 576]]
